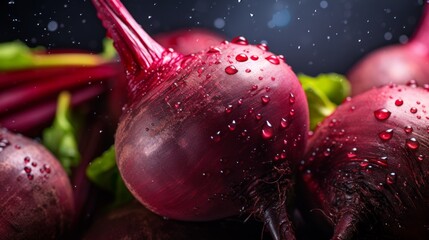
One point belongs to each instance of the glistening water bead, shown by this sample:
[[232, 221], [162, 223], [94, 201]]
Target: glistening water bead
[[382, 114]]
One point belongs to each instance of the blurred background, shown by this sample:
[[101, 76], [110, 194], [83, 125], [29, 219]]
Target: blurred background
[[315, 36]]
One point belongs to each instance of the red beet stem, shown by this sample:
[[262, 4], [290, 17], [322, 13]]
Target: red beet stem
[[346, 227], [131, 41], [30, 93], [278, 223], [421, 36], [31, 118]]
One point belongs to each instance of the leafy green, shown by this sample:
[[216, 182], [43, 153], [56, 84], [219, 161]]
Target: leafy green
[[324, 93], [104, 173], [61, 138], [17, 55]]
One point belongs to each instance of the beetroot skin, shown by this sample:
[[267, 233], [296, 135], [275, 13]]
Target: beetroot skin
[[35, 192], [366, 170]]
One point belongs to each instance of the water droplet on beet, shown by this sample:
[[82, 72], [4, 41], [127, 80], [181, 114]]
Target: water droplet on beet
[[267, 130], [413, 110], [254, 57], [292, 98], [30, 176], [214, 50], [247, 70], [231, 70], [258, 116], [26, 160], [273, 59], [382, 114], [241, 57], [420, 157], [240, 101], [292, 112], [364, 163], [265, 99], [386, 135], [34, 164], [412, 143], [228, 109], [399, 102], [216, 137], [352, 153], [263, 46], [232, 126], [408, 129], [391, 178], [254, 87], [240, 40], [47, 168], [27, 169], [283, 123]]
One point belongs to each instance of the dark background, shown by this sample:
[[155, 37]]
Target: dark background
[[314, 35]]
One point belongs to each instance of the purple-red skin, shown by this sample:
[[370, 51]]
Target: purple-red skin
[[397, 64], [36, 200], [191, 144], [133, 221], [366, 172], [187, 41]]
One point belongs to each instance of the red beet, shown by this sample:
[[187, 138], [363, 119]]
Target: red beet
[[133, 221], [36, 195], [187, 41], [398, 64], [366, 170], [207, 135]]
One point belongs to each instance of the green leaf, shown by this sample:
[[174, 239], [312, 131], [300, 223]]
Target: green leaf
[[104, 173], [60, 138], [15, 55], [324, 93]]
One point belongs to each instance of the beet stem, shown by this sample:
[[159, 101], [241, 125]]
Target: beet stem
[[346, 228], [278, 223], [129, 37], [421, 36]]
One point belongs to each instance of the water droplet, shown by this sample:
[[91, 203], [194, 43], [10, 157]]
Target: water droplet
[[382, 114], [413, 110], [364, 163], [241, 57], [273, 59], [34, 164], [254, 57], [292, 98], [228, 109], [412, 143], [408, 129], [240, 101], [254, 87], [47, 168], [263, 47], [327, 152], [283, 123], [399, 102], [232, 126], [30, 176], [27, 169], [265, 99], [352, 153], [382, 161], [260, 78], [391, 178], [240, 40], [420, 157], [248, 70], [26, 159], [258, 116], [216, 137], [267, 130], [231, 70], [214, 50], [386, 135], [292, 112]]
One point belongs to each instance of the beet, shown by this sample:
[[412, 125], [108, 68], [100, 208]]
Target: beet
[[398, 64], [36, 195], [133, 221], [207, 135], [366, 170]]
